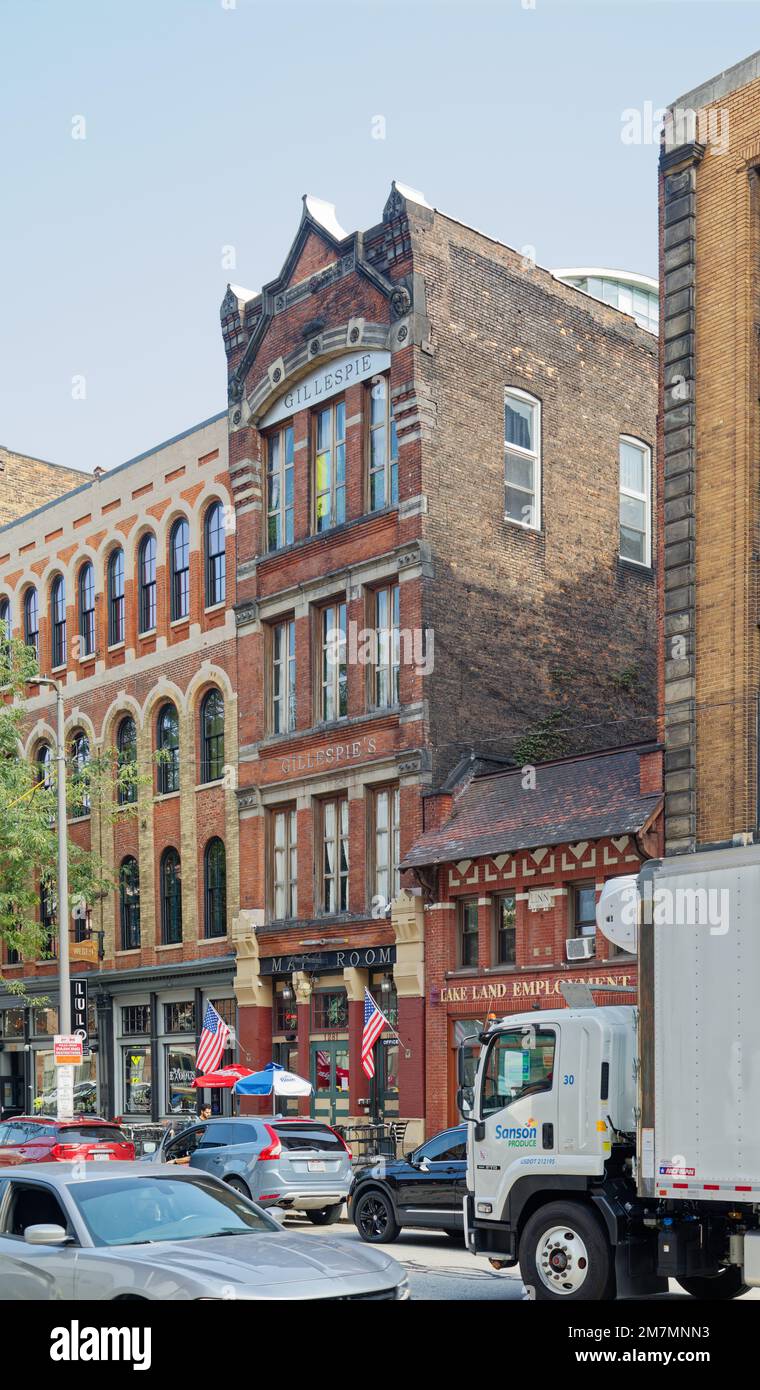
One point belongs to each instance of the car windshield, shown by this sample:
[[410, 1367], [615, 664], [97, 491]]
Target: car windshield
[[90, 1134], [136, 1211]]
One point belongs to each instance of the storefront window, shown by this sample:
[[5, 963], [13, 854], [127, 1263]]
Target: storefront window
[[135, 1018], [46, 1084], [285, 1009], [179, 1018], [181, 1095], [137, 1080], [382, 987], [330, 1010], [45, 1022], [12, 1023]]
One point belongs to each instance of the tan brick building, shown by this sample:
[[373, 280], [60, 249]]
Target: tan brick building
[[26, 481], [126, 587], [710, 385]]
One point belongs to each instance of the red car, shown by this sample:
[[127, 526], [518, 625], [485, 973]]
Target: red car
[[41, 1139]]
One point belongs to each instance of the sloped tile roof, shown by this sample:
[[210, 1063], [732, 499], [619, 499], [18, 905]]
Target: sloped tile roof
[[583, 798]]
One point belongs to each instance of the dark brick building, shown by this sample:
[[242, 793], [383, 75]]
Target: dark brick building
[[441, 462]]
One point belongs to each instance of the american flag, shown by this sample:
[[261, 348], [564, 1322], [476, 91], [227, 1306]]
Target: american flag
[[374, 1023], [213, 1041]]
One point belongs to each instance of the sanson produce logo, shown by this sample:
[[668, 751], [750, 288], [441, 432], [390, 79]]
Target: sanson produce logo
[[518, 1136]]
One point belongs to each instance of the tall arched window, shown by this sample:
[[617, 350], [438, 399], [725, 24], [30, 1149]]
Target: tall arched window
[[129, 903], [126, 757], [168, 746], [179, 558], [44, 761], [146, 573], [116, 598], [58, 621], [87, 610], [214, 538], [212, 736], [80, 757], [171, 898], [5, 620], [215, 888], [32, 619]]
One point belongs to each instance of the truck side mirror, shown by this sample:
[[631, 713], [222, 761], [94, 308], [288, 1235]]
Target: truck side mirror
[[466, 1102]]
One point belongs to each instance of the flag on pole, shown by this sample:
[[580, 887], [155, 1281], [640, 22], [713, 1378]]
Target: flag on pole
[[213, 1041], [374, 1023]]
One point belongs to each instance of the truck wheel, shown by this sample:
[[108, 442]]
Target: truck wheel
[[565, 1254], [723, 1284], [325, 1216]]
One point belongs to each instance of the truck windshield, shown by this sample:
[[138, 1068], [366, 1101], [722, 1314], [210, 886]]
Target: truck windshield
[[519, 1063]]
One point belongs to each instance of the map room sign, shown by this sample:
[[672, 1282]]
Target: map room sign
[[325, 382], [363, 958]]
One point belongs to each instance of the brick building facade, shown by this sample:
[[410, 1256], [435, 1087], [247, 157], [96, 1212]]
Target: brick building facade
[[23, 477], [710, 289], [509, 871], [126, 587], [429, 437]]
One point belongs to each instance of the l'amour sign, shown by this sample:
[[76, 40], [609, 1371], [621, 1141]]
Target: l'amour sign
[[325, 382]]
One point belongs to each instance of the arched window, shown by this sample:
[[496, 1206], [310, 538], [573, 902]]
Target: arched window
[[58, 622], [179, 556], [80, 757], [215, 559], [129, 903], [87, 610], [212, 736], [168, 746], [5, 620], [32, 619], [215, 886], [116, 598], [126, 758], [146, 573], [171, 898], [44, 761]]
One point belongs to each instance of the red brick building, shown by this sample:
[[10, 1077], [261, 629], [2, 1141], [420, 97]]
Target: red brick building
[[508, 873], [126, 585], [441, 459]]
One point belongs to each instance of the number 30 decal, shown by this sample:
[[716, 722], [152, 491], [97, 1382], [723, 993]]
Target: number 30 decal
[[568, 1080]]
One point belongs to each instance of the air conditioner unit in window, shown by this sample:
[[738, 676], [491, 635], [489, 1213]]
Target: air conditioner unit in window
[[580, 947]]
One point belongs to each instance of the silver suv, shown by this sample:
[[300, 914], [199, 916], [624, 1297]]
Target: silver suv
[[297, 1164]]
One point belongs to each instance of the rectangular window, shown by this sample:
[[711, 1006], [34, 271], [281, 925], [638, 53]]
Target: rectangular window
[[635, 501], [284, 897], [387, 843], [135, 1018], [522, 459], [583, 900], [179, 1018], [468, 933], [383, 448], [330, 1010], [333, 702], [330, 466], [137, 1080], [280, 488], [285, 1009], [386, 653], [283, 715], [334, 853], [506, 918], [181, 1095]]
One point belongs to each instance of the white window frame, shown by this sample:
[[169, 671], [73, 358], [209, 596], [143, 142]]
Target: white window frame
[[534, 455], [645, 497]]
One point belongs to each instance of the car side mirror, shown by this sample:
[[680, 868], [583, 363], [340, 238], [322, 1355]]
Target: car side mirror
[[46, 1235], [423, 1165]]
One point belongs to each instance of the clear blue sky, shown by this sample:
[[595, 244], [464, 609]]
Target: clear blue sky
[[205, 122]]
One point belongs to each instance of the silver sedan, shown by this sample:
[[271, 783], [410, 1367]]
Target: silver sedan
[[86, 1231]]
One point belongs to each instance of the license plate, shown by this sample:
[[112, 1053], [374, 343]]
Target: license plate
[[317, 1165], [102, 1158]]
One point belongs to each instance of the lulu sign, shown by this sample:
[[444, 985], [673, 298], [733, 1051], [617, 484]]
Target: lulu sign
[[523, 989], [326, 382]]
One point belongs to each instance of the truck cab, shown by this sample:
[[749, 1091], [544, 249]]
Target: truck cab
[[552, 1112]]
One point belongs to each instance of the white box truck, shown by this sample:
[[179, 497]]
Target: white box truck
[[610, 1149]]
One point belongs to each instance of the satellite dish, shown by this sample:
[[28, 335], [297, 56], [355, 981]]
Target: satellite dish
[[617, 912]]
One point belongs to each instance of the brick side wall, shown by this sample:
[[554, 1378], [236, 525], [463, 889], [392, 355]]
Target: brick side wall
[[26, 482]]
